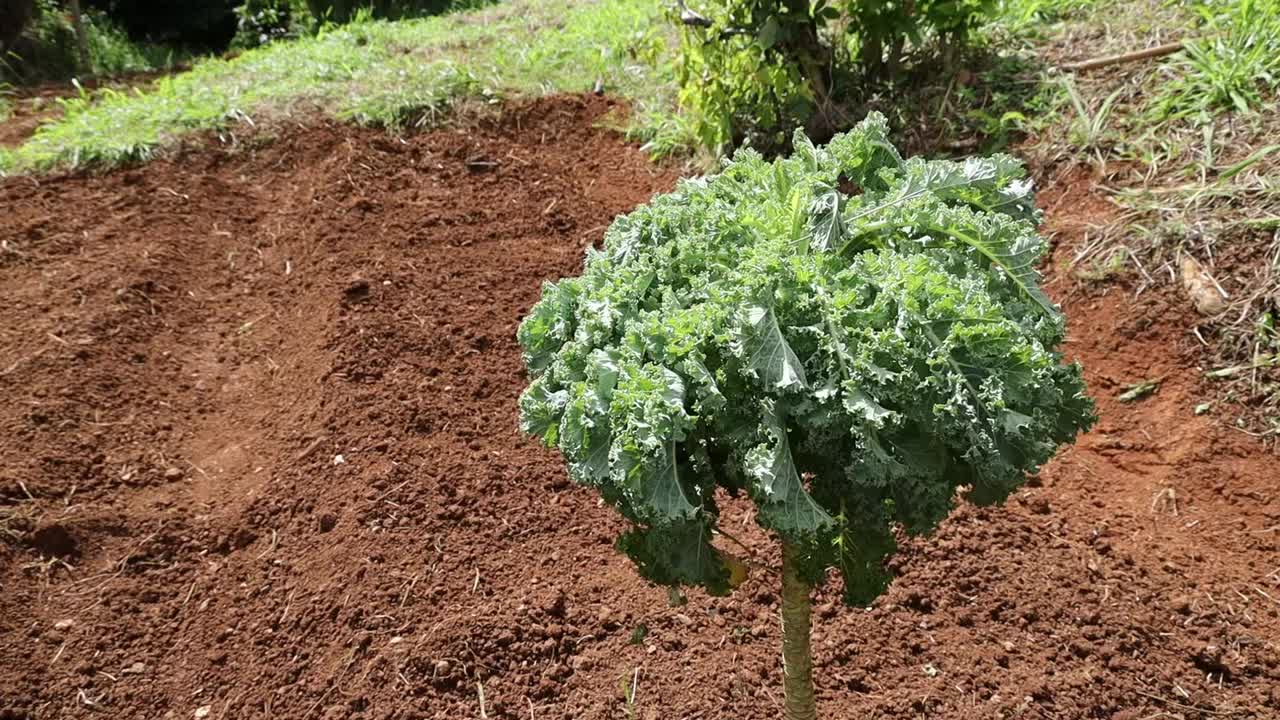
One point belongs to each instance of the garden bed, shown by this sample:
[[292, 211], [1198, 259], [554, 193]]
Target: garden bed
[[259, 459]]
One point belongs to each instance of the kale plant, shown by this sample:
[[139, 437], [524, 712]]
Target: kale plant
[[847, 336]]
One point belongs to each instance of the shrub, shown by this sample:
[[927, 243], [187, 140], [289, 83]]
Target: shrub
[[845, 336], [259, 22], [47, 50], [754, 70]]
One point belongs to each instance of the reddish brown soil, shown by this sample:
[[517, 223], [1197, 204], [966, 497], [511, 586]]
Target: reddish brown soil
[[259, 459]]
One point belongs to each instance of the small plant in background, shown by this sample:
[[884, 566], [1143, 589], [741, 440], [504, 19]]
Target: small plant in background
[[1091, 126], [845, 336]]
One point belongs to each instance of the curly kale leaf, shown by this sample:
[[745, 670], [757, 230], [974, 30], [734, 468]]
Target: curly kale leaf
[[848, 336]]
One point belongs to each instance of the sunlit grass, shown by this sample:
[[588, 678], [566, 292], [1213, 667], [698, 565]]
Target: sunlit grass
[[371, 72]]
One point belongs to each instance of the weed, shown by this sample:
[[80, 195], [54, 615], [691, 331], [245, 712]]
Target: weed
[[1091, 125], [1233, 65]]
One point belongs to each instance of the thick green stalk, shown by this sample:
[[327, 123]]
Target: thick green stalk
[[797, 659]]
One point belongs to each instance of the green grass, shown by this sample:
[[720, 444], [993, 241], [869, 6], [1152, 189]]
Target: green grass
[[371, 72], [1233, 64]]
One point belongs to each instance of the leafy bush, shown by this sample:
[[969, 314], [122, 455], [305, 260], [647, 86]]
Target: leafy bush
[[846, 336], [47, 48], [259, 22], [755, 70]]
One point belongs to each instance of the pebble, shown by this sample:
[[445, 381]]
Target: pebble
[[136, 669], [604, 615], [173, 473], [203, 711], [64, 624]]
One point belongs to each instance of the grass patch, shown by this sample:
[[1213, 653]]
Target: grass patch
[[372, 72], [1234, 64]]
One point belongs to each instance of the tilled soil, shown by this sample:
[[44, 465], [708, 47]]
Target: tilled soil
[[259, 459]]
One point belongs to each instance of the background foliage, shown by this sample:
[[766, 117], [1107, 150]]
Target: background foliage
[[752, 71]]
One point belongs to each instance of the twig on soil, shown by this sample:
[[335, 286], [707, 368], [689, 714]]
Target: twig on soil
[[404, 597], [384, 495], [20, 361], [1180, 706], [288, 602], [1134, 56], [275, 540], [310, 449], [84, 699]]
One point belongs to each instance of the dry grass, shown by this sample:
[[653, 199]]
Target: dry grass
[[1205, 184]]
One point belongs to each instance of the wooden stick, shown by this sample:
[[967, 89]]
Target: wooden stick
[[1157, 51]]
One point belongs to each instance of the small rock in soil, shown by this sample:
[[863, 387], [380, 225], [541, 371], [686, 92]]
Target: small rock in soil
[[1204, 292], [327, 522], [604, 616], [356, 291]]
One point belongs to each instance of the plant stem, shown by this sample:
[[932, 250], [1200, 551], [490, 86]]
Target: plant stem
[[797, 659]]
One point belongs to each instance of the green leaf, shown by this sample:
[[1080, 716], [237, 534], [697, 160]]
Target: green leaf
[[785, 505], [1017, 254], [770, 33], [769, 355], [661, 491], [825, 226], [677, 554], [864, 406]]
